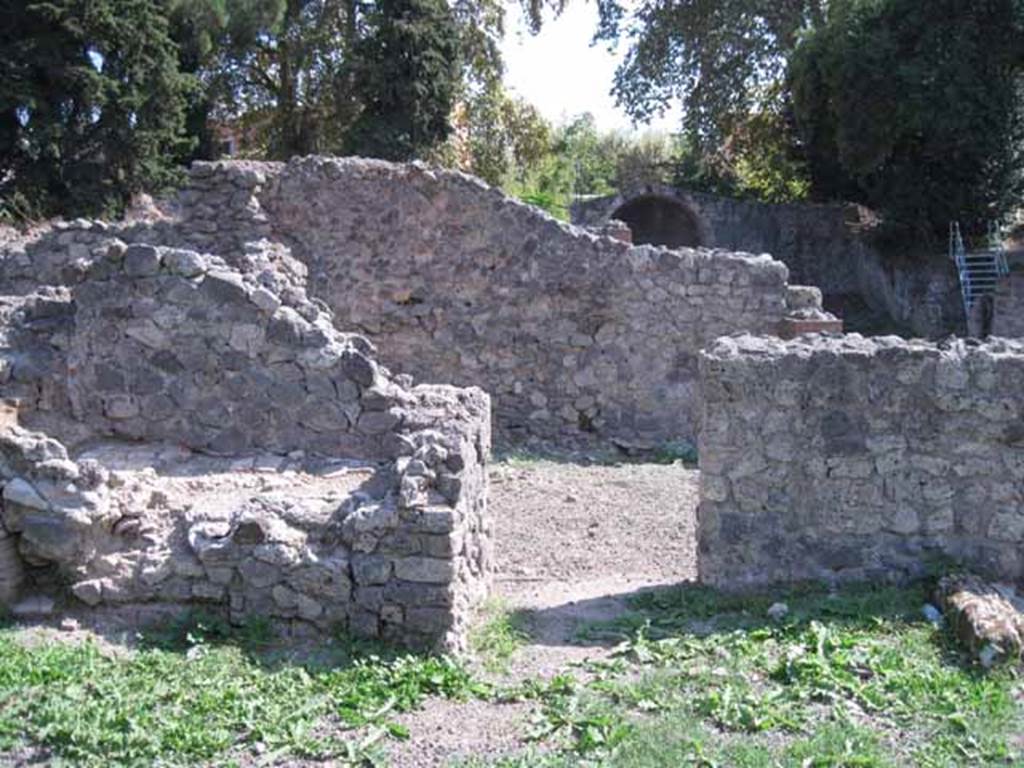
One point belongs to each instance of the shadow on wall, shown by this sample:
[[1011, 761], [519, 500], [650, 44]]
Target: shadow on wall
[[658, 220]]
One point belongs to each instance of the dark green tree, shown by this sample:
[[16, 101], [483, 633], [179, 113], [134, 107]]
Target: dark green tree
[[92, 104], [407, 75], [720, 58], [198, 28], [915, 109], [285, 71]]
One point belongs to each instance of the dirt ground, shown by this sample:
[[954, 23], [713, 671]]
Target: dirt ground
[[572, 542]]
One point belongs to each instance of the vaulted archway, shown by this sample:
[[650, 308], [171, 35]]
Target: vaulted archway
[[657, 220]]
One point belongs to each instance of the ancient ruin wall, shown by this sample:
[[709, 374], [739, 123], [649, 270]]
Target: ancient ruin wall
[[821, 246], [344, 496], [1008, 307], [570, 333], [846, 458]]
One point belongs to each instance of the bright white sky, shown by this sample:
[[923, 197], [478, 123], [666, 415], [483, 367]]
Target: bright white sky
[[560, 73]]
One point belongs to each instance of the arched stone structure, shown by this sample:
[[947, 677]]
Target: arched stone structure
[[658, 220]]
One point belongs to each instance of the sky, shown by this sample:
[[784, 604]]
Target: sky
[[560, 73]]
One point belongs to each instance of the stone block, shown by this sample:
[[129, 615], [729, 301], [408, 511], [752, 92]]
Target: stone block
[[425, 569]]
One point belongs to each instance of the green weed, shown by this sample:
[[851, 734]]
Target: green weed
[[496, 640], [852, 677], [211, 697]]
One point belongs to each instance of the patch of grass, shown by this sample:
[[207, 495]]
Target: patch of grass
[[854, 677], [496, 640], [210, 701]]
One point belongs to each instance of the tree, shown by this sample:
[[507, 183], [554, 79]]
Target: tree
[[406, 79], [285, 65], [720, 58], [286, 70], [915, 109], [197, 28], [92, 104], [498, 137]]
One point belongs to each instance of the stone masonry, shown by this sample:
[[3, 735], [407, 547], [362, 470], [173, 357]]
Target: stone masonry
[[1008, 304], [824, 245], [574, 335], [180, 431], [837, 458]]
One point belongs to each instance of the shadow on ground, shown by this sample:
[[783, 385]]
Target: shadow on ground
[[694, 609]]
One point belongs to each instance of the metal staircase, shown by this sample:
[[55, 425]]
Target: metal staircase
[[980, 271]]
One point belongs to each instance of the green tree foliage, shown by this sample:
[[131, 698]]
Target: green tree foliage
[[915, 108], [406, 80], [197, 27], [719, 58], [284, 67], [499, 138], [92, 104], [289, 72]]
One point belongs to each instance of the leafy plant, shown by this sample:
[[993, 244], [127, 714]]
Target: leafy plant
[[215, 696], [92, 106], [497, 639], [889, 110]]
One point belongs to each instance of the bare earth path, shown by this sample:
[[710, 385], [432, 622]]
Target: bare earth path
[[572, 543]]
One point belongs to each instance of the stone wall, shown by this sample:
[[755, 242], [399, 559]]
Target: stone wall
[[570, 333], [211, 437], [821, 245], [575, 336], [1008, 307], [841, 458]]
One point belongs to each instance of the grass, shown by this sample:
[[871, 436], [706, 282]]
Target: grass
[[498, 637], [856, 678], [200, 694]]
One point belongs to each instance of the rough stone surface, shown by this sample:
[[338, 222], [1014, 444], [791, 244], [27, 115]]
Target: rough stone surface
[[1008, 305], [574, 335], [847, 458], [823, 245], [182, 427], [984, 621]]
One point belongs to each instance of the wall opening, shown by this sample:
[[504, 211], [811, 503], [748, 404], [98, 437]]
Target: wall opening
[[660, 221]]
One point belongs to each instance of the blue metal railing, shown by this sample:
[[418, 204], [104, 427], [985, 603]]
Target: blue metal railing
[[979, 271]]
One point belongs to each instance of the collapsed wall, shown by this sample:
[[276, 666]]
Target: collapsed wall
[[847, 458], [573, 335], [182, 432]]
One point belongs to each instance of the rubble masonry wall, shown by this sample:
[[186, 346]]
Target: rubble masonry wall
[[848, 458]]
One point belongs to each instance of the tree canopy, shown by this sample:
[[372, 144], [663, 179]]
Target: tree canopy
[[406, 78], [915, 108], [92, 104], [718, 58]]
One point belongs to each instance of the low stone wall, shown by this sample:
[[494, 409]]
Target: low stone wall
[[211, 437], [844, 458]]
